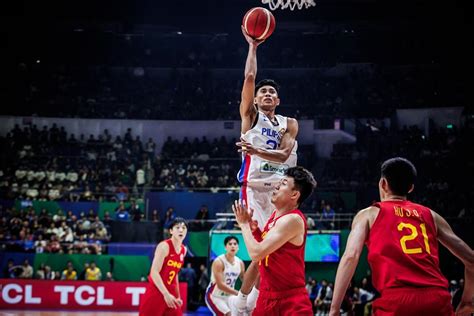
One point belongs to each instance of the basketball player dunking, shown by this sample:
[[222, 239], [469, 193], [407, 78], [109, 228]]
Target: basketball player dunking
[[268, 145], [402, 239]]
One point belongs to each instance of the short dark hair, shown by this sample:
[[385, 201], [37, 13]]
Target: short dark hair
[[178, 220], [400, 174], [229, 238], [267, 82], [304, 181]]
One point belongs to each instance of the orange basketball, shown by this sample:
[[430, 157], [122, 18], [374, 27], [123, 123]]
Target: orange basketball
[[259, 23]]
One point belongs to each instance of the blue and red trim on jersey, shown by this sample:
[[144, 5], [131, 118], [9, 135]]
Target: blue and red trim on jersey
[[244, 169], [210, 303]]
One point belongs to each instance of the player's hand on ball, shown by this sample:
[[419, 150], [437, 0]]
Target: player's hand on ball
[[242, 215], [249, 39]]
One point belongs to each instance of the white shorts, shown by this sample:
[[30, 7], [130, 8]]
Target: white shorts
[[260, 200], [218, 305]]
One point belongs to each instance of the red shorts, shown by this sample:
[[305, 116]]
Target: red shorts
[[152, 303], [433, 301], [283, 303]]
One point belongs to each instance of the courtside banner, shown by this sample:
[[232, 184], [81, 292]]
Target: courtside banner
[[74, 295]]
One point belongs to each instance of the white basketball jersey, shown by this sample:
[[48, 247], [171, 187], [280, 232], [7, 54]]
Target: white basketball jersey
[[258, 172], [231, 274]]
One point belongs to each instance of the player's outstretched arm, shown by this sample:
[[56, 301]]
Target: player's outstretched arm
[[285, 229], [218, 271], [278, 155], [247, 108], [162, 250], [350, 259], [463, 252]]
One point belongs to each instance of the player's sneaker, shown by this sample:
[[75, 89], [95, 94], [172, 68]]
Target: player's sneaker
[[237, 306]]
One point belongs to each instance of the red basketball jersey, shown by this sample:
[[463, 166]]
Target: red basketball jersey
[[403, 248], [283, 269], [171, 266]]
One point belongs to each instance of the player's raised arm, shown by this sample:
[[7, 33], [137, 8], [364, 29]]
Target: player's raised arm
[[463, 252], [278, 155], [350, 259], [285, 229], [247, 107]]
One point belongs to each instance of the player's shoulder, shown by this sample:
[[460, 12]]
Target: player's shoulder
[[163, 246], [368, 214], [292, 219]]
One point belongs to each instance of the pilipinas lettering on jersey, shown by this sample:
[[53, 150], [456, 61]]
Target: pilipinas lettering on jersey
[[283, 269], [231, 274], [403, 247], [258, 172], [172, 263]]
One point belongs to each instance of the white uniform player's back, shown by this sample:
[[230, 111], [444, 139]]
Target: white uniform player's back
[[260, 173]]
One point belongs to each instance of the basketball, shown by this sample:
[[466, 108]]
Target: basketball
[[259, 23]]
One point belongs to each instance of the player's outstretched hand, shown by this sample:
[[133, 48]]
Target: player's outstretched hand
[[172, 301], [465, 309], [242, 215], [249, 39], [246, 147]]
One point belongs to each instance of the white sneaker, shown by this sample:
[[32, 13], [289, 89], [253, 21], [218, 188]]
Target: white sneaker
[[237, 306]]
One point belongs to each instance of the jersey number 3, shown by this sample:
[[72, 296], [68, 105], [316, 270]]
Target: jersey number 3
[[412, 236], [171, 277], [272, 143]]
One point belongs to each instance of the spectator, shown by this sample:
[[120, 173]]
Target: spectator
[[27, 270], [137, 214], [8, 270], [109, 276], [121, 214], [188, 275], [69, 273], [328, 216], [82, 275], [202, 216], [93, 273], [203, 283], [155, 217]]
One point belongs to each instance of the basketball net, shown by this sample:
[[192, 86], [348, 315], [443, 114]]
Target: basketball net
[[292, 4]]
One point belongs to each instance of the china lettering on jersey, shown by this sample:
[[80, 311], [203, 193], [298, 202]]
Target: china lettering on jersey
[[172, 263]]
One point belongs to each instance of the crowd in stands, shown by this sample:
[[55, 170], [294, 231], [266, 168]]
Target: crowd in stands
[[25, 231], [89, 272], [47, 165], [441, 156], [208, 94]]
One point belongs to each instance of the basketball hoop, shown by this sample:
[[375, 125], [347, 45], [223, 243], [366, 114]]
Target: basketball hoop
[[292, 4]]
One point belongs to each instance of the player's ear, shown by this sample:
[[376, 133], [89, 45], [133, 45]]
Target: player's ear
[[277, 101], [296, 195], [411, 188]]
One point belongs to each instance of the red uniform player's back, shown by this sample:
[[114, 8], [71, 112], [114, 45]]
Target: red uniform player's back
[[403, 248]]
